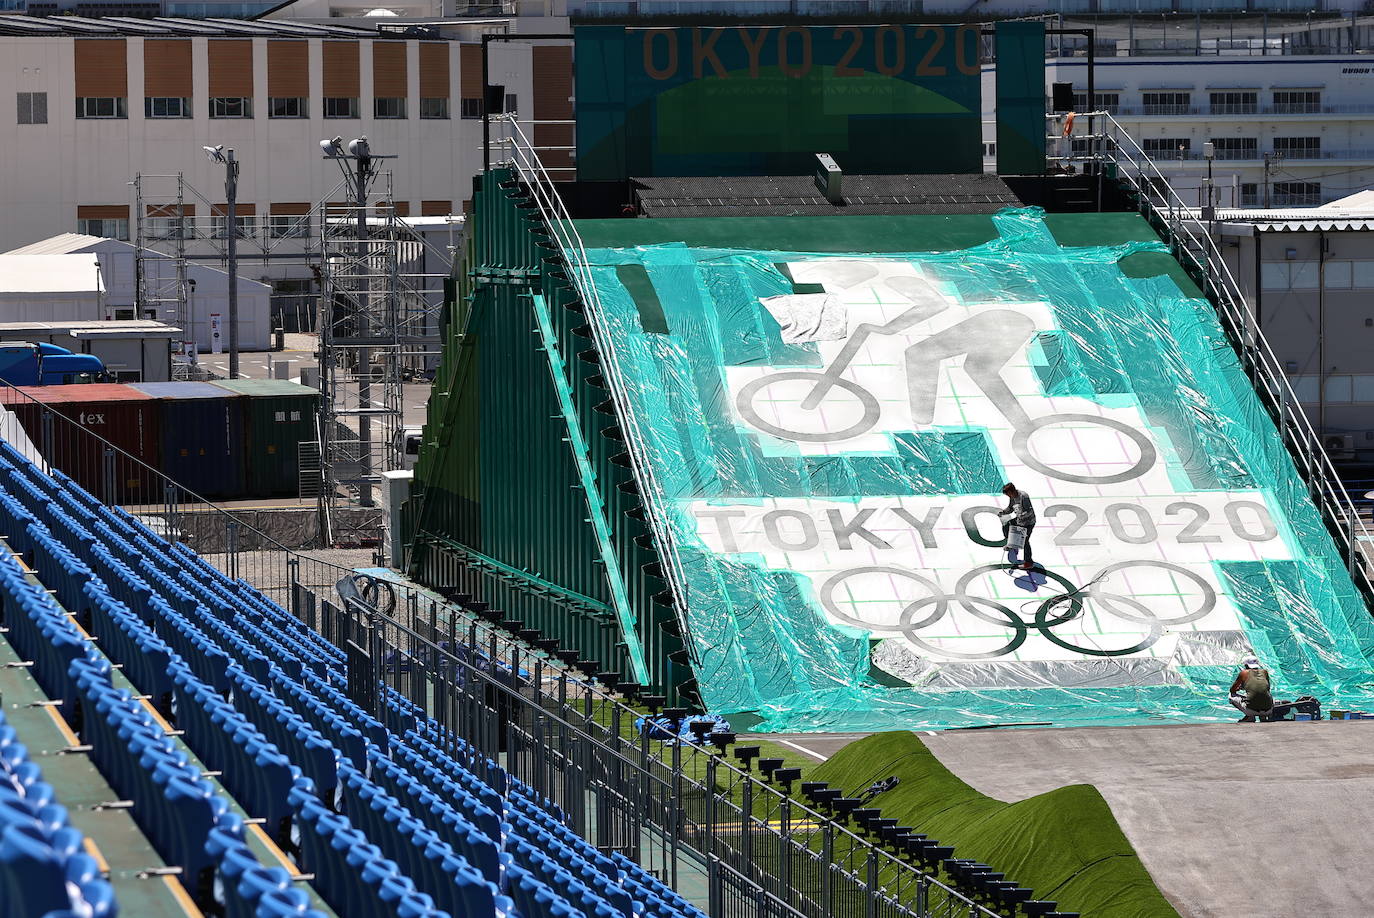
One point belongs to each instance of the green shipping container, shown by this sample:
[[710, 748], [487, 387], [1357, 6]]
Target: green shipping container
[[277, 417]]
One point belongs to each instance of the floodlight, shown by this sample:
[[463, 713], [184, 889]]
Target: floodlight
[[332, 147], [215, 154], [359, 147]]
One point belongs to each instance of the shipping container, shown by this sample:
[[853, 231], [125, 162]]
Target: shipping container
[[122, 415], [203, 444], [278, 416]]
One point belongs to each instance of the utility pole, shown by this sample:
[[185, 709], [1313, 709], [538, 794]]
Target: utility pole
[[218, 154], [1271, 164]]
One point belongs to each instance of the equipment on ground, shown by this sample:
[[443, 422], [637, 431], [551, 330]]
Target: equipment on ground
[[25, 363]]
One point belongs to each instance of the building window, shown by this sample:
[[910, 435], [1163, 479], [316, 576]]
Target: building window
[[107, 228], [434, 108], [289, 226], [1236, 147], [1102, 101], [389, 108], [1167, 147], [101, 107], [340, 107], [219, 225], [33, 107], [1249, 194], [1297, 194], [1298, 147], [1297, 101], [287, 108], [989, 149], [471, 108], [231, 107], [1167, 103], [169, 227], [166, 107], [1235, 103], [512, 103]]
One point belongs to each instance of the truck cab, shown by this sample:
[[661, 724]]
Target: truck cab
[[24, 363]]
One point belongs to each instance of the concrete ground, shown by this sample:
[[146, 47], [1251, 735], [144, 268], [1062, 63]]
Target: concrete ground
[[1230, 820]]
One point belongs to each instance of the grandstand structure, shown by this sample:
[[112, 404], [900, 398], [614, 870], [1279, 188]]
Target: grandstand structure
[[278, 735]]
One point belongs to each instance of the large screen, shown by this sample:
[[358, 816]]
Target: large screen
[[761, 100]]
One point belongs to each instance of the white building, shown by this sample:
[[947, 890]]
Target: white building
[[97, 102], [1308, 276], [114, 264], [1287, 105]]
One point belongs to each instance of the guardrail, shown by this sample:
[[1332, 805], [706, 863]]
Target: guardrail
[[676, 807], [1115, 153]]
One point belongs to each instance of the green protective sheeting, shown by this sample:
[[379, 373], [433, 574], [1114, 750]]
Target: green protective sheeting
[[1020, 98], [1064, 844], [851, 575], [764, 100]]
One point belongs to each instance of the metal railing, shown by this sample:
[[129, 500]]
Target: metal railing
[[1116, 152], [674, 807]]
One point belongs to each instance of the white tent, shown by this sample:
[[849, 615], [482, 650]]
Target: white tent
[[207, 290], [34, 287]]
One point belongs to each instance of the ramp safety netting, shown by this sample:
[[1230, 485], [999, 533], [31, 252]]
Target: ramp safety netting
[[829, 436]]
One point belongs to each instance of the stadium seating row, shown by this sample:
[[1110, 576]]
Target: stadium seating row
[[44, 868], [387, 821]]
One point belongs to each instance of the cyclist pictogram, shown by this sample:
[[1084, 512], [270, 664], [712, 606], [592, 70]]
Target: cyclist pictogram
[[987, 341]]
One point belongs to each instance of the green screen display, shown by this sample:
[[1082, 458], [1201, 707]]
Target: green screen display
[[761, 100]]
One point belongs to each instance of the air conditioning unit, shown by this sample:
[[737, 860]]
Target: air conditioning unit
[[1339, 446]]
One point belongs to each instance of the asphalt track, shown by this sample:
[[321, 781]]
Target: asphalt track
[[1231, 820]]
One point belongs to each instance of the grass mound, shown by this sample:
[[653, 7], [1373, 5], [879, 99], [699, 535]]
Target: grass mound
[[1064, 844]]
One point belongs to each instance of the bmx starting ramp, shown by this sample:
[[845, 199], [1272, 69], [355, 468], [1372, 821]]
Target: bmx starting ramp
[[825, 411]]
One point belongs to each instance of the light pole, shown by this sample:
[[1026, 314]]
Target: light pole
[[359, 156], [217, 154]]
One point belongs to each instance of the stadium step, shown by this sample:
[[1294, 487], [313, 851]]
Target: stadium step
[[124, 855], [144, 883]]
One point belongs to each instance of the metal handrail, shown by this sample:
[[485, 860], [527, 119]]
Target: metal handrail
[[525, 160], [721, 769], [1194, 245]]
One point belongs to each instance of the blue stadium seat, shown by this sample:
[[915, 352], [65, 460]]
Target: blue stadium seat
[[260, 698]]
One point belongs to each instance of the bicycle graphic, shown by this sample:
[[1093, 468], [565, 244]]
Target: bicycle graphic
[[987, 341]]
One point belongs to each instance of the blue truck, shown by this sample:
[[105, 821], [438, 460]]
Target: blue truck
[[25, 363]]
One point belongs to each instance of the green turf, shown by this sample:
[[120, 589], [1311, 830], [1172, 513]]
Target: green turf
[[1064, 844]]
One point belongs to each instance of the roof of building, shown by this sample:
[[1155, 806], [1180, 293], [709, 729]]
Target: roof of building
[[131, 328], [1353, 213], [797, 195], [62, 244], [70, 243], [76, 273], [161, 26]]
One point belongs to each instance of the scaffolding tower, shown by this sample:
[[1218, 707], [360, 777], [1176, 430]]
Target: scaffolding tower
[[378, 327], [377, 317]]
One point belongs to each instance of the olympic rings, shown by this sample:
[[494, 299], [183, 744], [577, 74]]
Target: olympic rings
[[1013, 621], [1116, 605], [827, 597]]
